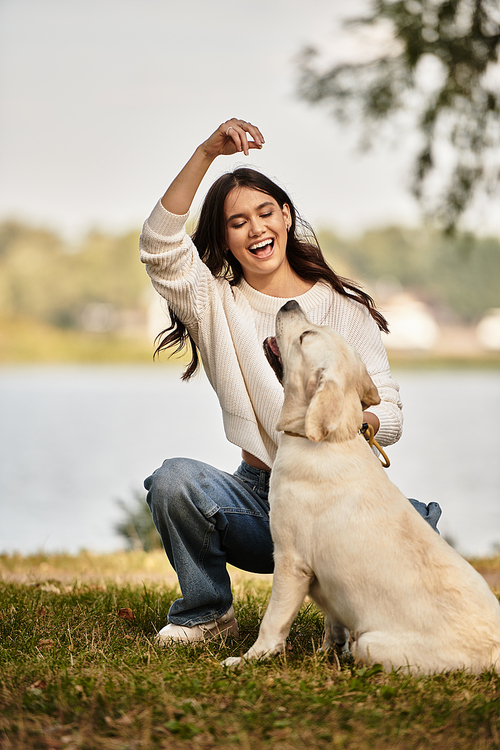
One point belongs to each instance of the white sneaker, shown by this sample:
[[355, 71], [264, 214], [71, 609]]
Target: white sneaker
[[225, 625]]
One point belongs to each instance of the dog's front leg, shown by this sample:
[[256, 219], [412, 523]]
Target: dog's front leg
[[290, 587]]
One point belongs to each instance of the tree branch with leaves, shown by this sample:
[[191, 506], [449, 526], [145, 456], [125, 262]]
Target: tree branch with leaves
[[439, 61]]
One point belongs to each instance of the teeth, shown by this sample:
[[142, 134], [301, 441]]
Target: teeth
[[260, 244]]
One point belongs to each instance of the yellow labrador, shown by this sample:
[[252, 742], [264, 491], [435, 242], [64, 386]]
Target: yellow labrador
[[347, 537]]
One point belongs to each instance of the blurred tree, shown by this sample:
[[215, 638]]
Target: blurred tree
[[459, 285], [137, 527], [43, 277], [435, 58]]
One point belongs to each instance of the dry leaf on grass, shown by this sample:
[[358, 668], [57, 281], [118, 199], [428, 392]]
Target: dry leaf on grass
[[38, 685], [126, 614]]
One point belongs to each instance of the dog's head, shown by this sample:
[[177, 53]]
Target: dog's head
[[326, 385]]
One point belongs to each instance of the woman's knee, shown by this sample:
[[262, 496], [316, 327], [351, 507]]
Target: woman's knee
[[175, 485], [169, 474]]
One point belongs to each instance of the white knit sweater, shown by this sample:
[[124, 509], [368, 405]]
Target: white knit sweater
[[230, 323]]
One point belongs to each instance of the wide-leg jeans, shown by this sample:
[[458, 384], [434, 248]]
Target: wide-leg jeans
[[207, 518]]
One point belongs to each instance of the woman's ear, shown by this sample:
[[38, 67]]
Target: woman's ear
[[287, 217]]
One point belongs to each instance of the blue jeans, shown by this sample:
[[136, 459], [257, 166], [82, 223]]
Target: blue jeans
[[207, 518]]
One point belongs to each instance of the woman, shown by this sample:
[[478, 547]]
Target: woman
[[224, 287]]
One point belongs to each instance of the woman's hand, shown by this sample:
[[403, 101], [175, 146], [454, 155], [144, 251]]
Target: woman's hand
[[372, 419], [231, 137]]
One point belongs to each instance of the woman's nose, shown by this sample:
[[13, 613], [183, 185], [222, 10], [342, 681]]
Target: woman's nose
[[256, 227]]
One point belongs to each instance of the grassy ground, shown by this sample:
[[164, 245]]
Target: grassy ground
[[79, 669]]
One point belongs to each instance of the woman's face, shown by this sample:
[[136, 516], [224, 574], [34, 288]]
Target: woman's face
[[256, 234]]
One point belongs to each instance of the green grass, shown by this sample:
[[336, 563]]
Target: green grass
[[79, 669]]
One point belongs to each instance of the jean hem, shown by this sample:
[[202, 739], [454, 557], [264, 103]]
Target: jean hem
[[193, 622]]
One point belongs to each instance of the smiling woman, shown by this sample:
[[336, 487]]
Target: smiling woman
[[256, 235], [249, 255]]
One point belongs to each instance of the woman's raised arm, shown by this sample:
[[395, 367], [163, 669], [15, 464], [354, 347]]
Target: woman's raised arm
[[229, 138]]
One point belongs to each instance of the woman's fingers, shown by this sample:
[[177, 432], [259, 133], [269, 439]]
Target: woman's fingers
[[233, 136], [237, 131]]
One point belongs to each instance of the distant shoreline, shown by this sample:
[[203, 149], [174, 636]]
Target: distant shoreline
[[26, 342]]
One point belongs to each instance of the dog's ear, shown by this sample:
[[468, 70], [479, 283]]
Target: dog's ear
[[367, 390], [325, 408]]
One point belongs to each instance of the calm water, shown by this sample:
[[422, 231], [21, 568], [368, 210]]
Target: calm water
[[74, 440]]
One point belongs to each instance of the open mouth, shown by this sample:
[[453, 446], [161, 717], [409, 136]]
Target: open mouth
[[273, 356], [262, 249]]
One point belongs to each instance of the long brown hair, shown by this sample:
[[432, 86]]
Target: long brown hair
[[303, 254]]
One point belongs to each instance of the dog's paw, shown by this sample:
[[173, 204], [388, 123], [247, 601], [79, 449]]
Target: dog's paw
[[346, 659], [232, 661]]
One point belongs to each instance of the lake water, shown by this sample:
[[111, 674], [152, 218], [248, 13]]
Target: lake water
[[74, 440]]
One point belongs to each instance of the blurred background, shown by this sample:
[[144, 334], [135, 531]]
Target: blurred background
[[101, 105]]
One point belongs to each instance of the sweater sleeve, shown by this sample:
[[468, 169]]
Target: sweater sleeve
[[174, 265], [364, 335]]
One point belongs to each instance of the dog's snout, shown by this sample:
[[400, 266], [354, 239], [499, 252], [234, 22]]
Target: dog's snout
[[290, 305]]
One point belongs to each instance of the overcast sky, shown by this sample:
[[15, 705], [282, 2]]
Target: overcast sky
[[103, 101]]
